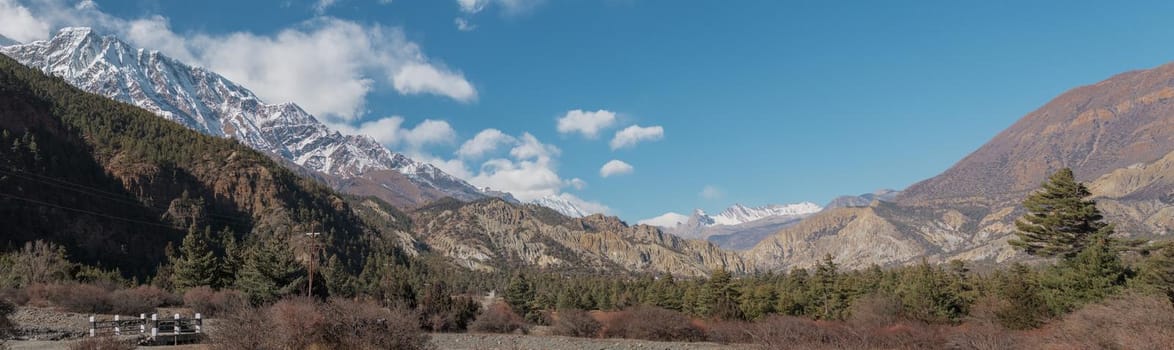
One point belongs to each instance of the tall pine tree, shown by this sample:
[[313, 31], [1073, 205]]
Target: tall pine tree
[[196, 264], [1059, 220]]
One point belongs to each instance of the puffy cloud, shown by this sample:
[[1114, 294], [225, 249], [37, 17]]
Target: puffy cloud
[[326, 65], [512, 7], [18, 23], [630, 136], [390, 132], [587, 123], [484, 142], [615, 167], [419, 78], [530, 148], [472, 6], [669, 219], [711, 192], [577, 183], [321, 6], [527, 180]]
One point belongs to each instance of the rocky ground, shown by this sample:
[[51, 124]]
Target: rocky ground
[[49, 329]]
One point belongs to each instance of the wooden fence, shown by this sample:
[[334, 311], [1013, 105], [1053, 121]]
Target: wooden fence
[[156, 331]]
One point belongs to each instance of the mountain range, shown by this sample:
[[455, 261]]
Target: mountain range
[[207, 102], [1117, 135], [737, 227]]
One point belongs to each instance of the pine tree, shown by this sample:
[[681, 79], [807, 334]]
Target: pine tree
[[196, 264], [270, 272], [520, 294], [1059, 220], [1025, 308], [829, 299], [1157, 271], [1093, 274], [719, 299]]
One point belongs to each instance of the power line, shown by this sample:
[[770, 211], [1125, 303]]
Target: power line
[[34, 201]]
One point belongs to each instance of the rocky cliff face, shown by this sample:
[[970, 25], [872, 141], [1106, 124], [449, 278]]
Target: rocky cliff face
[[492, 234], [1117, 135]]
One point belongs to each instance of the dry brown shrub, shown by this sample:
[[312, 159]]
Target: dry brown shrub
[[210, 302], [140, 300], [576, 323], [358, 325], [983, 336], [102, 343], [730, 332], [787, 332], [77, 297], [243, 329], [875, 311], [498, 318], [1128, 322], [653, 323], [904, 335], [16, 296], [298, 321]]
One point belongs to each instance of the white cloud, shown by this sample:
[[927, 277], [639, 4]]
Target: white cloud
[[510, 7], [527, 180], [418, 78], [530, 148], [326, 65], [390, 132], [615, 167], [669, 219], [18, 23], [463, 24], [321, 6], [711, 192], [577, 183], [587, 123], [630, 136], [484, 142]]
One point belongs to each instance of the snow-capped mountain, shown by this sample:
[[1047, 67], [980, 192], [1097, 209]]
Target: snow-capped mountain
[[210, 103], [562, 205], [736, 227], [740, 214]]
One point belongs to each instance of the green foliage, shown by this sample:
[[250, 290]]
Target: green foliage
[[1059, 220], [1157, 271], [196, 265], [829, 300], [933, 295], [270, 272], [520, 295], [36, 262], [1025, 307]]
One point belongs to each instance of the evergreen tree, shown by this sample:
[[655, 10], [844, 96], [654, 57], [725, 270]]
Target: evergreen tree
[[270, 272], [1157, 271], [520, 294], [719, 299], [196, 264], [1059, 220], [1093, 274], [1025, 308], [829, 299]]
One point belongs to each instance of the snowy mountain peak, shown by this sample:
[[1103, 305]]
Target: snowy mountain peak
[[739, 214], [210, 103], [561, 205]]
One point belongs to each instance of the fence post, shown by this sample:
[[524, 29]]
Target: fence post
[[93, 327], [199, 323], [142, 323], [117, 329], [176, 324], [154, 326]]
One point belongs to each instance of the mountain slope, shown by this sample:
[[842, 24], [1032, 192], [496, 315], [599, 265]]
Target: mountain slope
[[116, 184], [207, 102], [1117, 135], [738, 227], [493, 234]]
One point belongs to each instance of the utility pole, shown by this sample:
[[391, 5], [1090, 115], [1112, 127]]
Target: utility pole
[[313, 257]]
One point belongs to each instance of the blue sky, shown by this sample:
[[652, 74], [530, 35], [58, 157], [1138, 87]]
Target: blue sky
[[759, 101]]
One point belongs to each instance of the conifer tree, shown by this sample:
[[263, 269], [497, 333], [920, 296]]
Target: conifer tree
[[1026, 308], [196, 264], [719, 298], [520, 294], [829, 298], [1059, 220], [270, 272]]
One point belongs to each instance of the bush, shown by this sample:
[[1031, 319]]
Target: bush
[[1130, 322], [498, 318], [730, 332], [302, 323], [982, 336], [102, 343], [875, 311], [653, 323], [80, 298], [355, 325], [15, 296], [210, 302], [6, 324], [783, 332], [576, 323], [140, 300]]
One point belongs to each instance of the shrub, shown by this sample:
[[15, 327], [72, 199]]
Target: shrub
[[16, 296], [139, 300], [6, 324], [653, 323], [1130, 322], [81, 298], [102, 343], [498, 318], [356, 325], [982, 336], [875, 311], [213, 303], [302, 323], [576, 323], [730, 332], [784, 332]]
